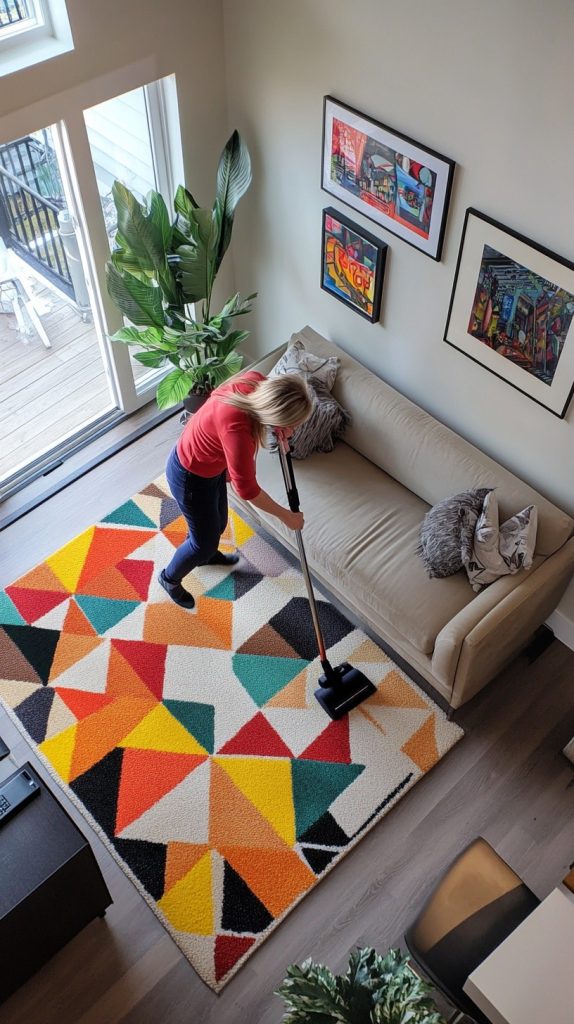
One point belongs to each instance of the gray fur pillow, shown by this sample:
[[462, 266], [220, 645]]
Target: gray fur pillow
[[326, 423], [444, 529]]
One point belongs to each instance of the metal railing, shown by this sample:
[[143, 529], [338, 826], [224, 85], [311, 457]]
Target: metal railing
[[29, 225], [12, 12]]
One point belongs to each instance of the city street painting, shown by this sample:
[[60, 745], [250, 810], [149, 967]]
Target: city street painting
[[388, 177], [352, 264], [512, 310]]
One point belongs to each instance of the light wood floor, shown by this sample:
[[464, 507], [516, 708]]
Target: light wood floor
[[506, 780]]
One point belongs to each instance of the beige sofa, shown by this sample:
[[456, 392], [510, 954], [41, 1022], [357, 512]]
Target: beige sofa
[[364, 504]]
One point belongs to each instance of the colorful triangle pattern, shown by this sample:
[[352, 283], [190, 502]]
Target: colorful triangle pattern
[[206, 762]]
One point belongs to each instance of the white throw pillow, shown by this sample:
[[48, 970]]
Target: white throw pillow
[[500, 551], [296, 359]]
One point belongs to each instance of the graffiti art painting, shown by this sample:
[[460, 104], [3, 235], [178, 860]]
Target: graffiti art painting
[[352, 264], [386, 176], [512, 310]]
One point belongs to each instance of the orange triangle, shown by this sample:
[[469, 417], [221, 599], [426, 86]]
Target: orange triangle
[[421, 747], [277, 877], [176, 531], [108, 547], [267, 641], [210, 626], [81, 702], [294, 695], [181, 858], [123, 680], [41, 578], [146, 776], [395, 692], [97, 735], [109, 583], [72, 647], [233, 820], [76, 621], [368, 651]]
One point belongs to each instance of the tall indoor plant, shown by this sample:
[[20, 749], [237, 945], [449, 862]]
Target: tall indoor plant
[[160, 268], [374, 990]]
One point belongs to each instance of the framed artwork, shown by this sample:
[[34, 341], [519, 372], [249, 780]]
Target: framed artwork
[[386, 176], [511, 310], [352, 264]]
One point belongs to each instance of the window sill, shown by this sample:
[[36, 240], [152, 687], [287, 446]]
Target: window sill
[[26, 54]]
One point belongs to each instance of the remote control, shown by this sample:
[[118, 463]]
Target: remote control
[[15, 792], [4, 749]]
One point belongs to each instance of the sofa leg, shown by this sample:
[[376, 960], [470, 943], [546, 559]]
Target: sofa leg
[[450, 713], [542, 639]]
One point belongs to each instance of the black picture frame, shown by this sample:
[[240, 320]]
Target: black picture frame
[[512, 311], [396, 182], [352, 264]]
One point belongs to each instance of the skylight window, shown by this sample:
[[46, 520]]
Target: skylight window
[[32, 31]]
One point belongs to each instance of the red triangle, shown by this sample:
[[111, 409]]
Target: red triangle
[[257, 737], [147, 659], [228, 950], [331, 745], [146, 776], [81, 703], [32, 604], [108, 547], [138, 572]]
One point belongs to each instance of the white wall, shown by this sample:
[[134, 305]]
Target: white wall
[[489, 85]]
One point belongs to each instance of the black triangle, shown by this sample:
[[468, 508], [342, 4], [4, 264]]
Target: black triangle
[[37, 645], [243, 911], [245, 578], [35, 711], [98, 789], [147, 861], [325, 832], [318, 859], [295, 625]]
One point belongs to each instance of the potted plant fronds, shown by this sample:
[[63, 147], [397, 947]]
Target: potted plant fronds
[[375, 990], [160, 268]]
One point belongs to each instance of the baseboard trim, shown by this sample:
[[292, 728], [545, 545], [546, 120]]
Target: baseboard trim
[[562, 627]]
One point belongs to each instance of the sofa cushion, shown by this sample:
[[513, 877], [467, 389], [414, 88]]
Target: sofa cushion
[[491, 551], [362, 529], [297, 359], [447, 528], [325, 425]]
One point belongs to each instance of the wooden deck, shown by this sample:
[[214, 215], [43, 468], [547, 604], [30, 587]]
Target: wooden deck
[[46, 394]]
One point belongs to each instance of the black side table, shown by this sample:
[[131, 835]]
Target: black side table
[[50, 886]]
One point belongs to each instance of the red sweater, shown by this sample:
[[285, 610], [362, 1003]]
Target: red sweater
[[220, 437]]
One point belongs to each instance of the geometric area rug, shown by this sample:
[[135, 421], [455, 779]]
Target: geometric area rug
[[191, 741]]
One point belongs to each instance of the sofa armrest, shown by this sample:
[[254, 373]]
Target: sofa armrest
[[483, 637]]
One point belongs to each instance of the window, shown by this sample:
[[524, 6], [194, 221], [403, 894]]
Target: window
[[32, 31]]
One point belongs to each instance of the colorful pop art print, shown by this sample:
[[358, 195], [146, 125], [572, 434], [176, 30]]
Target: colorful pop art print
[[512, 311], [386, 176], [352, 264]]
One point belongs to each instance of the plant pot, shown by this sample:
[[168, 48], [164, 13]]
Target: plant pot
[[193, 402]]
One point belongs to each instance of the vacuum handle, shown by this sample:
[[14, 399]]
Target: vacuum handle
[[288, 474]]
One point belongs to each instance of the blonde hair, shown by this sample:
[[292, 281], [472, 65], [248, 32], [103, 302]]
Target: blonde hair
[[281, 401]]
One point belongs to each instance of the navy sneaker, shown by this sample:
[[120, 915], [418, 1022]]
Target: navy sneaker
[[178, 594]]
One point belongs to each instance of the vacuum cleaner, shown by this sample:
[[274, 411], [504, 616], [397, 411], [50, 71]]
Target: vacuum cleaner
[[341, 688]]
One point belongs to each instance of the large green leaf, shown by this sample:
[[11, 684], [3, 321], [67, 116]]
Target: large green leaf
[[173, 388], [196, 261], [233, 180], [141, 303], [184, 202], [141, 230], [154, 359]]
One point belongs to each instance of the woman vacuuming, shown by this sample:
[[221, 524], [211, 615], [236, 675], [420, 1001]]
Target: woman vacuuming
[[219, 442]]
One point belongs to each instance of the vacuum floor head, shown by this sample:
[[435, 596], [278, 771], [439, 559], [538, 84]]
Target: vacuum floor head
[[343, 690]]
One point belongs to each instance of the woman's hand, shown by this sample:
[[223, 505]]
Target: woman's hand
[[294, 520]]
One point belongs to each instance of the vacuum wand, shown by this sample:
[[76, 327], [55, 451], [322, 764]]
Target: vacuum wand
[[342, 688]]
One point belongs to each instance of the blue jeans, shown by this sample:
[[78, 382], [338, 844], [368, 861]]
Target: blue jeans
[[203, 504]]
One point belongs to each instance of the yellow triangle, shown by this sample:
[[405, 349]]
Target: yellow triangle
[[188, 905], [159, 730], [241, 530], [68, 562], [59, 751], [267, 783]]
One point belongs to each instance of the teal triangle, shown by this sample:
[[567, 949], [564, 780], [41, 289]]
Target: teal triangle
[[129, 514], [224, 590], [315, 785], [104, 612], [9, 614], [198, 719], [263, 676]]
